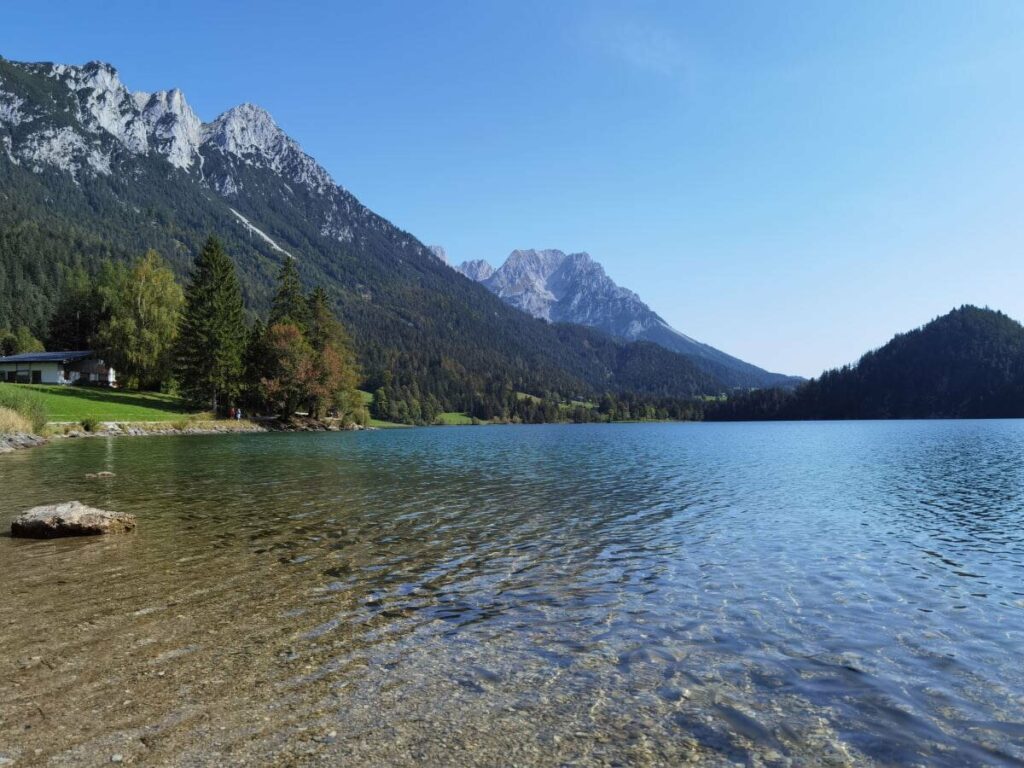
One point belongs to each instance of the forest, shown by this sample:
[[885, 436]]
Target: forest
[[200, 341], [968, 363]]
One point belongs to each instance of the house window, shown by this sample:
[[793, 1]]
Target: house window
[[37, 377], [12, 377]]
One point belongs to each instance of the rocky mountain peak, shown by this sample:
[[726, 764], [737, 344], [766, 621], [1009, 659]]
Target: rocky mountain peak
[[573, 288], [539, 263], [103, 109], [554, 285], [104, 103], [246, 130], [175, 130], [251, 134], [476, 270]]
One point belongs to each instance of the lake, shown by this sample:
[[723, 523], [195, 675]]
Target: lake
[[651, 594]]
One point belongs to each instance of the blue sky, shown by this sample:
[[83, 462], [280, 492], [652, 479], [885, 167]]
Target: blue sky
[[791, 182]]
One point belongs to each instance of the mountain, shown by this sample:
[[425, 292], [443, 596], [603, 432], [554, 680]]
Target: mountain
[[573, 288], [477, 270], [91, 171], [966, 364]]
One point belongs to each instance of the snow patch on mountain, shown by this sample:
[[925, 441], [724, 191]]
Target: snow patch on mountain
[[260, 233]]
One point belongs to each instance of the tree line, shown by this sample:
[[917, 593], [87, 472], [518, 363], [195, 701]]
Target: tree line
[[195, 340], [968, 363]]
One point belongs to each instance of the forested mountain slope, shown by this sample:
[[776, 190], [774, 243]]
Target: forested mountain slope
[[89, 170], [966, 364]]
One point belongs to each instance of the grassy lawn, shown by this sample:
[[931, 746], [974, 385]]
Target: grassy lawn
[[368, 401], [453, 418], [77, 403]]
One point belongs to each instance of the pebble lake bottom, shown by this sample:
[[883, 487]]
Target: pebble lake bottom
[[644, 594]]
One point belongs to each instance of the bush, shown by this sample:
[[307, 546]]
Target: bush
[[89, 424], [24, 403], [13, 423]]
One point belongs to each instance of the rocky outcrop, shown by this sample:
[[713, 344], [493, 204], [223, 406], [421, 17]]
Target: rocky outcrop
[[9, 443], [476, 270], [72, 518]]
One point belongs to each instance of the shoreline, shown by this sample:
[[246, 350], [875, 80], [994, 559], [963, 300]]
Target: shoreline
[[10, 443]]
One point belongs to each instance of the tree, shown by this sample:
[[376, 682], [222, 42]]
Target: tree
[[381, 404], [78, 313], [255, 362], [8, 343], [289, 305], [290, 376], [212, 331], [335, 371], [141, 305], [26, 342]]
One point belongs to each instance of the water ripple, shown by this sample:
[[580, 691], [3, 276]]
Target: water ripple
[[768, 594]]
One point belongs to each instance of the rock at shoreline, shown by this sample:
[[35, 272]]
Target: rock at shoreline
[[10, 443], [72, 518]]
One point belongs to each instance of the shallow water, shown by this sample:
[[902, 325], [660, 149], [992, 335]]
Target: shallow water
[[762, 594]]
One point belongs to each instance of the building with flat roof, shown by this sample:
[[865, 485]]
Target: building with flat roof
[[82, 367]]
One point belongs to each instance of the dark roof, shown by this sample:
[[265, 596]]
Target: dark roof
[[46, 357]]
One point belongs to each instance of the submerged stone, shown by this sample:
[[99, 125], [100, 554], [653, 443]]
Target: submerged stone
[[72, 518]]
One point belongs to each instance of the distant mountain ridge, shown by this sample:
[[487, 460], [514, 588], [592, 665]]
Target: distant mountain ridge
[[968, 363], [574, 288], [90, 170]]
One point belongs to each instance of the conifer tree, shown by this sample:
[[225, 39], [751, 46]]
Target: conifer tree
[[78, 313], [289, 305], [334, 364], [213, 334], [254, 365]]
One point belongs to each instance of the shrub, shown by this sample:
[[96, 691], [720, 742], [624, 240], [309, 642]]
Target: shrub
[[24, 403], [12, 422], [89, 424]]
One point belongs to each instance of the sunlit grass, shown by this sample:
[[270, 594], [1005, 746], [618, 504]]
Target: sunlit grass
[[64, 404]]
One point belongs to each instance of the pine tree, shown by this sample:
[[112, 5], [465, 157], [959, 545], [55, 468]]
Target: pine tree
[[213, 333], [335, 372], [254, 365], [78, 314], [289, 306]]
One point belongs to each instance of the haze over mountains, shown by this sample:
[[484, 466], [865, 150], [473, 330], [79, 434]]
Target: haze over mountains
[[573, 288], [90, 170]]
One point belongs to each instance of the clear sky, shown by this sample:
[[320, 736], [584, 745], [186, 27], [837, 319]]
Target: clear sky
[[790, 182]]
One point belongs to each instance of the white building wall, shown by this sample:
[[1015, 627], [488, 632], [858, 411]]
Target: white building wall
[[50, 373]]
